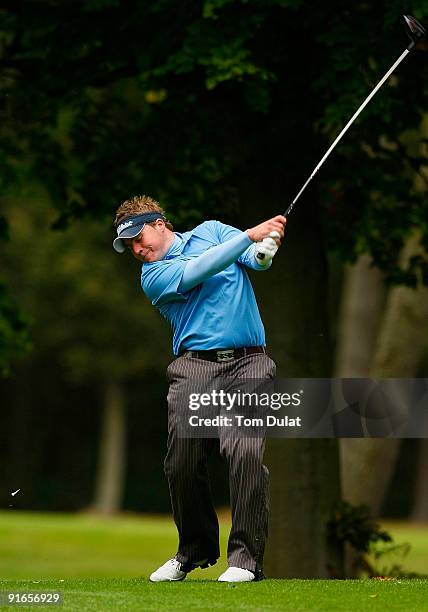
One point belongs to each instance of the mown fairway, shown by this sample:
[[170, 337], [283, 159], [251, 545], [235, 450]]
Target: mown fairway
[[101, 564], [296, 595]]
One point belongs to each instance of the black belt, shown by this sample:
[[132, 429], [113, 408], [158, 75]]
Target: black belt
[[225, 355]]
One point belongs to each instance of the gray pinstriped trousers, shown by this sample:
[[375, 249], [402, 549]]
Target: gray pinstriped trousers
[[188, 479]]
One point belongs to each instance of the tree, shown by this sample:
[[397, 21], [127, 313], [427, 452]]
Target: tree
[[391, 347], [14, 336], [398, 353], [98, 327], [420, 508], [216, 108]]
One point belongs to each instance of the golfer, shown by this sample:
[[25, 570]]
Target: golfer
[[199, 283]]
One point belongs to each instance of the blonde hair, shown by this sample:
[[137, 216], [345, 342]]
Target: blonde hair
[[139, 205]]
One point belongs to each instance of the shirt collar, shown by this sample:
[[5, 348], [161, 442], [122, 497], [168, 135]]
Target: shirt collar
[[176, 247], [180, 241]]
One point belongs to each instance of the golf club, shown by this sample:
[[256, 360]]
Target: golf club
[[415, 32]]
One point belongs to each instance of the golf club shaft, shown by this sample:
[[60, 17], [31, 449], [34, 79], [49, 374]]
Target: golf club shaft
[[347, 126]]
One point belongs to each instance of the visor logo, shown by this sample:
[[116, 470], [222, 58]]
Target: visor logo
[[122, 226]]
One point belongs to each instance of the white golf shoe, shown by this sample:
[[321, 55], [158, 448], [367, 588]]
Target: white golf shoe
[[236, 574], [169, 572]]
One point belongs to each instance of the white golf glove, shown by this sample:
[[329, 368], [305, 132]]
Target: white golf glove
[[266, 249]]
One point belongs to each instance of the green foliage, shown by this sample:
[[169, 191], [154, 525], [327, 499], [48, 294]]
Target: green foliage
[[354, 524], [14, 331], [89, 314], [197, 103], [387, 561], [252, 91], [4, 229], [376, 553]]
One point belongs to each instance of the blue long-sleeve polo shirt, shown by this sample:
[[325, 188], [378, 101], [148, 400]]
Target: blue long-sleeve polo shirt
[[219, 312]]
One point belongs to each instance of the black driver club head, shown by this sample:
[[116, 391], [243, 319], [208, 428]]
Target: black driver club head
[[414, 29]]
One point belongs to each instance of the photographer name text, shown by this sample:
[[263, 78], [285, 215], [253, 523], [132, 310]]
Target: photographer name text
[[238, 420]]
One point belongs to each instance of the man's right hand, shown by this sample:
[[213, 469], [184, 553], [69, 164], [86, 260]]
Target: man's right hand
[[259, 232]]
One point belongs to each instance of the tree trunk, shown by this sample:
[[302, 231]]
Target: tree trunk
[[304, 490], [110, 477], [403, 335], [363, 297], [420, 508], [368, 464], [362, 301]]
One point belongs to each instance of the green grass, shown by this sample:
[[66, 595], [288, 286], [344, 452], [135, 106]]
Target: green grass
[[417, 536], [295, 595], [103, 564], [39, 546]]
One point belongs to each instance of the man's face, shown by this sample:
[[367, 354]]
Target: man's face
[[151, 244]]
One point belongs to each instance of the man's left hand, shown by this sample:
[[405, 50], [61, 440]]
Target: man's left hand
[[267, 248]]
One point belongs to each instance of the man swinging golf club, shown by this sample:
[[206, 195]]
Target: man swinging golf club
[[198, 282]]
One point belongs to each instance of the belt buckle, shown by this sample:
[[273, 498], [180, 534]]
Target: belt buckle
[[227, 355]]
